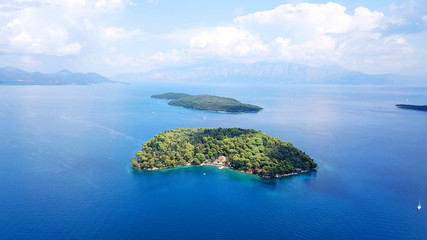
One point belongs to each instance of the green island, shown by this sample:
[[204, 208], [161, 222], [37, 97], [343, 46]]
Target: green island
[[245, 150], [208, 102], [412, 107]]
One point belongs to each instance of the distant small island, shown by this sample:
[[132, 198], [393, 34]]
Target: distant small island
[[245, 150], [208, 102], [412, 107]]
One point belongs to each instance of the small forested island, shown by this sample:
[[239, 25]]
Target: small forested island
[[208, 102], [245, 150], [412, 107]]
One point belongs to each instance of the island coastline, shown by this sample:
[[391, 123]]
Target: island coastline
[[220, 167]]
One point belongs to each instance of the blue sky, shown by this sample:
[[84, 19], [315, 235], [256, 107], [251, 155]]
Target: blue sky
[[117, 36]]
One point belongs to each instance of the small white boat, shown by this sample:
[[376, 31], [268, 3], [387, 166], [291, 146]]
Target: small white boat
[[204, 173], [419, 206]]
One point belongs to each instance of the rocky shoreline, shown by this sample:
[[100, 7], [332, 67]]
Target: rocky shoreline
[[220, 163]]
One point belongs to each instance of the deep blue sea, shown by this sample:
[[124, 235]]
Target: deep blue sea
[[65, 170]]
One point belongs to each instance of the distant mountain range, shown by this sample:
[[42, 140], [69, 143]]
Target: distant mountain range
[[15, 76], [271, 72]]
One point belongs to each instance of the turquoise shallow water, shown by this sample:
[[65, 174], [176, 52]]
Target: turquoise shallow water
[[65, 173]]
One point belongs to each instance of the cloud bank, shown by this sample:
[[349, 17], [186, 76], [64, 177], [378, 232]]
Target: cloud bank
[[313, 34]]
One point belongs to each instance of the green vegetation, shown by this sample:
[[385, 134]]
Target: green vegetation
[[412, 107], [208, 102], [246, 150], [171, 95]]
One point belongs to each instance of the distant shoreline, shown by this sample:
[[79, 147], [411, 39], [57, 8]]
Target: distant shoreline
[[412, 107]]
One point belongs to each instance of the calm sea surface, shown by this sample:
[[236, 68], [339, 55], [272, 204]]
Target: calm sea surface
[[65, 170]]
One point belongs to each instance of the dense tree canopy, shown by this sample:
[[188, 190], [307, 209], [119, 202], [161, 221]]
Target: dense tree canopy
[[245, 149], [171, 95]]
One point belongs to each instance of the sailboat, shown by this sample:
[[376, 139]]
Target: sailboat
[[419, 205]]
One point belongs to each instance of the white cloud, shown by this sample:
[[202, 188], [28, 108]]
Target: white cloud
[[283, 48], [325, 18], [306, 33], [365, 20], [26, 43], [320, 49], [315, 34], [227, 42], [24, 33], [57, 27], [68, 49], [319, 18], [425, 18], [112, 34], [119, 60], [28, 60], [168, 57]]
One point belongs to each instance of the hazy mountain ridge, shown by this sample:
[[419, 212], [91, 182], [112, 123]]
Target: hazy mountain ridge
[[273, 72], [15, 76]]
